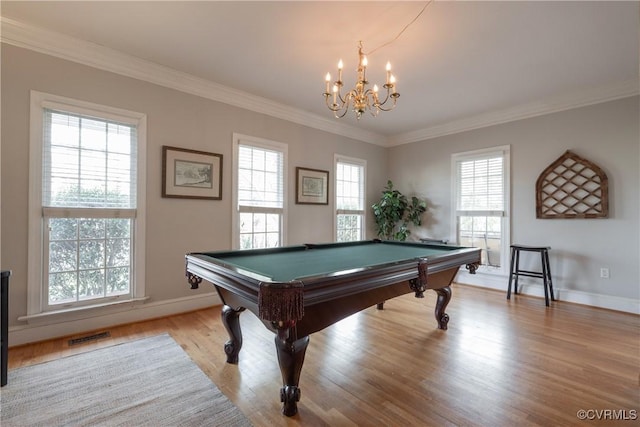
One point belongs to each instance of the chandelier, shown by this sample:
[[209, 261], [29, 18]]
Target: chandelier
[[360, 98]]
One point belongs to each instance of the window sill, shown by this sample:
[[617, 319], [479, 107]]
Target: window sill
[[69, 312]]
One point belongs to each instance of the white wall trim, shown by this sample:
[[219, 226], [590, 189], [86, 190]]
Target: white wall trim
[[26, 36], [548, 106], [61, 46], [101, 319], [534, 288]]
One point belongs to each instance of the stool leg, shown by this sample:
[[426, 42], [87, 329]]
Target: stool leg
[[511, 265], [516, 272], [546, 258], [545, 283]]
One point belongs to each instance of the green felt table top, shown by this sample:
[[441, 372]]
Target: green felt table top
[[287, 265]]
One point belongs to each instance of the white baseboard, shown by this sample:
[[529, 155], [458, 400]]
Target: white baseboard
[[39, 331], [526, 287]]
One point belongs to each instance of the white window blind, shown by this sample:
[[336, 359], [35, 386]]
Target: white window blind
[[260, 177], [481, 185], [88, 162], [349, 187]]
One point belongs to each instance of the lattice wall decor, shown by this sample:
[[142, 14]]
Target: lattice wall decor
[[572, 187]]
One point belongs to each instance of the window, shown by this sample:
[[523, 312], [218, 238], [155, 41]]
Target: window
[[350, 179], [481, 190], [259, 207], [87, 211]]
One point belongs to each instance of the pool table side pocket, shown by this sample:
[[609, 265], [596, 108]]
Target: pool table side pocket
[[281, 302]]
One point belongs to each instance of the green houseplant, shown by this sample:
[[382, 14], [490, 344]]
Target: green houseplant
[[395, 212]]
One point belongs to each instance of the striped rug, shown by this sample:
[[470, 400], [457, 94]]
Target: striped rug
[[149, 382]]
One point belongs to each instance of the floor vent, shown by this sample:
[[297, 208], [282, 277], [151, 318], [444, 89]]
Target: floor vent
[[88, 338]]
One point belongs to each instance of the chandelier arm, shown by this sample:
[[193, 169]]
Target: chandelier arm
[[331, 106], [386, 98], [373, 104], [339, 116], [346, 97], [334, 106], [343, 106], [375, 97], [380, 106]]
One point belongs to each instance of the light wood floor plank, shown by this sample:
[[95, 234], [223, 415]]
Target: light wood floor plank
[[501, 363]]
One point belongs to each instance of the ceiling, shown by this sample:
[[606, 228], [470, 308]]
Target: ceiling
[[459, 65]]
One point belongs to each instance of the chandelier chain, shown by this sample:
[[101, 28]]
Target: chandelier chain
[[403, 30]]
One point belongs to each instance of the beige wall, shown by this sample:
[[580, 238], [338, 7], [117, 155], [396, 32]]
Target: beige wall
[[173, 226], [606, 134]]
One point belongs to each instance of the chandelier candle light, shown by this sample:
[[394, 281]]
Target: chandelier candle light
[[360, 99]]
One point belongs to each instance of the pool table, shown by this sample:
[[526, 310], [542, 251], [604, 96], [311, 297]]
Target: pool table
[[298, 290]]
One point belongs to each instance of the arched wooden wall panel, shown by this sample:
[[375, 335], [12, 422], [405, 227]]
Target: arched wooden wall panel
[[572, 187]]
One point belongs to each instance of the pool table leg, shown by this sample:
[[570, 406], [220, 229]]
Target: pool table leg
[[290, 357], [231, 322], [444, 296]]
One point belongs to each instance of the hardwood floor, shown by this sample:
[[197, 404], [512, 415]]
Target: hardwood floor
[[501, 363]]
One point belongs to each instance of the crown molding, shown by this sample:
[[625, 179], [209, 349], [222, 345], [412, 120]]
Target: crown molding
[[552, 105], [26, 36], [58, 45]]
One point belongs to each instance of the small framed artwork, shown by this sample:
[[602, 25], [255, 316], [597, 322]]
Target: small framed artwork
[[312, 187], [191, 174]]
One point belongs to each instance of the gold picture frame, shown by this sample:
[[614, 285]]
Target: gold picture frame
[[191, 174], [312, 186]]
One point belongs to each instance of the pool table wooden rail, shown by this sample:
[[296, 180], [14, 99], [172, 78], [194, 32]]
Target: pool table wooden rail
[[321, 288]]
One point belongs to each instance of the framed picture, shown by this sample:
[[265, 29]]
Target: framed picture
[[312, 187], [191, 174]]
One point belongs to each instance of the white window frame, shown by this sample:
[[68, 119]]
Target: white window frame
[[36, 292], [505, 214], [240, 139], [356, 162]]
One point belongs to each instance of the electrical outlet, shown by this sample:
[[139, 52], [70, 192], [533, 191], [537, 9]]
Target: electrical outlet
[[604, 273]]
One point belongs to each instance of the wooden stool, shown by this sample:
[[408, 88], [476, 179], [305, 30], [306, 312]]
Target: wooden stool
[[545, 275]]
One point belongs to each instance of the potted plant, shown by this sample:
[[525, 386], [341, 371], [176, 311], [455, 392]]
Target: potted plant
[[394, 212]]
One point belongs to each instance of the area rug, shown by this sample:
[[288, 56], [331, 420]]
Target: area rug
[[148, 382]]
